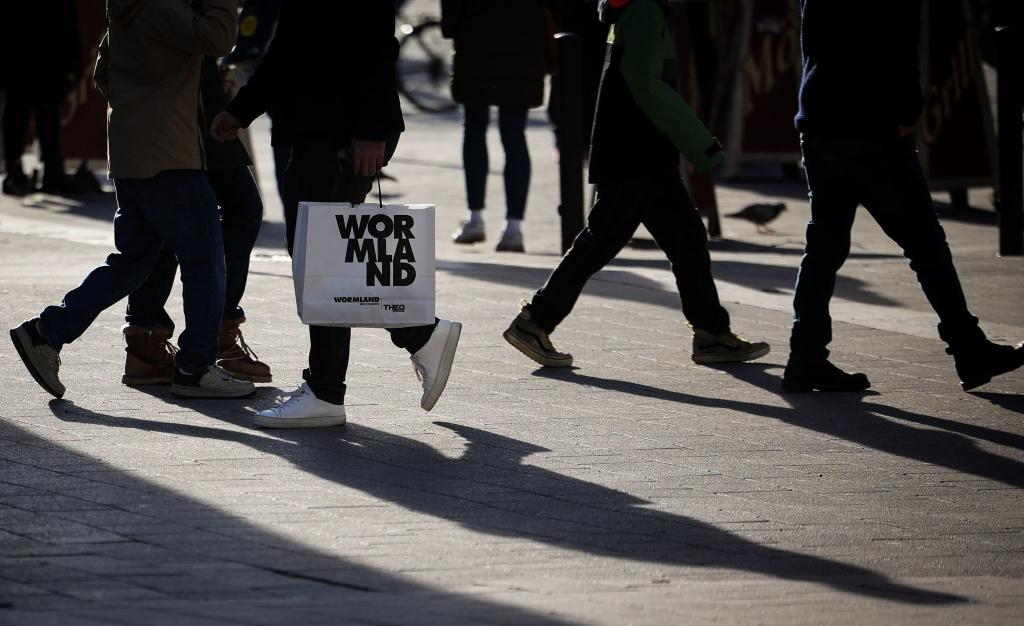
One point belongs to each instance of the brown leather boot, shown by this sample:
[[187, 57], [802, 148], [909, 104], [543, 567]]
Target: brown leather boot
[[235, 356], [150, 356]]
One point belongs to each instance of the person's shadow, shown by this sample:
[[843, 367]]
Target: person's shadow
[[849, 416], [490, 490]]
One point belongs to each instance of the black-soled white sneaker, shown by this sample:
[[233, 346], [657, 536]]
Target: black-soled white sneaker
[[215, 382]]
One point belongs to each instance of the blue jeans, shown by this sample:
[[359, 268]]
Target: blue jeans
[[884, 175], [241, 212], [512, 127], [177, 209]]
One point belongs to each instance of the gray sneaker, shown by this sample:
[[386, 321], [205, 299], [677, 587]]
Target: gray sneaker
[[511, 242], [526, 336], [725, 348], [40, 358], [470, 232], [215, 382]]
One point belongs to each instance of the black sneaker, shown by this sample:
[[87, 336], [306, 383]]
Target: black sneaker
[[40, 358], [821, 376], [16, 183], [214, 382], [526, 336], [979, 365]]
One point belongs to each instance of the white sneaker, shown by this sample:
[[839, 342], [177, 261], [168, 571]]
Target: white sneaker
[[302, 410], [433, 362]]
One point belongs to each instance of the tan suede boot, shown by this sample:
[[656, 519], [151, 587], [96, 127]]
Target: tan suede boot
[[235, 356], [150, 356]]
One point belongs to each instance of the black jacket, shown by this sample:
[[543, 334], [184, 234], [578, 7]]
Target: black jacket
[[329, 70], [860, 68], [500, 50]]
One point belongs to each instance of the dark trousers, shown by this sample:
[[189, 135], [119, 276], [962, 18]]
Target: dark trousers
[[177, 209], [21, 102], [886, 177], [313, 175], [241, 213], [664, 207], [512, 128]]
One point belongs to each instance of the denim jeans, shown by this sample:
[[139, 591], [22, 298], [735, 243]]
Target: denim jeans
[[177, 209], [512, 127], [241, 213], [884, 175], [664, 207], [313, 175]]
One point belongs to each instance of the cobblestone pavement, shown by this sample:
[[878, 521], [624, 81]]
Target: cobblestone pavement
[[635, 488]]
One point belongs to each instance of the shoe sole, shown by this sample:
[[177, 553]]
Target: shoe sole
[[136, 382], [23, 343], [186, 391], [298, 422], [731, 358], [451, 344], [469, 241], [531, 352], [800, 386]]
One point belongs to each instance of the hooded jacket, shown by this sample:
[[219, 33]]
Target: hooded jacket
[[330, 70], [642, 123], [149, 69]]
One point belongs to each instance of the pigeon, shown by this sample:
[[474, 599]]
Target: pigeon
[[760, 215]]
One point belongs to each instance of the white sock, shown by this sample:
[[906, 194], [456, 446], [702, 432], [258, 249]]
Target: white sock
[[513, 226], [475, 217]]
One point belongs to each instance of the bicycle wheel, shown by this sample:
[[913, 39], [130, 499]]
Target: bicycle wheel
[[424, 68]]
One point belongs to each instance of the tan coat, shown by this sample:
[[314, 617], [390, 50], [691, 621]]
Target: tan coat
[[148, 69]]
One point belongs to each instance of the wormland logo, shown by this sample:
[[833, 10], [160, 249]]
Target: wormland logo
[[360, 300]]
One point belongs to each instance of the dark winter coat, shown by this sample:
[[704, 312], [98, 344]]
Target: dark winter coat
[[330, 70], [500, 50], [41, 47]]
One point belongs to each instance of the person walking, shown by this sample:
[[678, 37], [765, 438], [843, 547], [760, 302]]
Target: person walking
[[36, 84], [343, 128], [500, 60], [861, 151], [155, 153], [640, 127], [148, 328]]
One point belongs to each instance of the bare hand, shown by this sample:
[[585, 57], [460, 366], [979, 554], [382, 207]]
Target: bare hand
[[906, 131], [225, 127], [367, 157]]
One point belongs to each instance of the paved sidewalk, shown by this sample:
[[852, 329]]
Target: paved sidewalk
[[636, 488]]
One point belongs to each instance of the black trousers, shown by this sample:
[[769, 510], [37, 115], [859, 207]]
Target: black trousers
[[21, 102], [664, 207], [313, 175]]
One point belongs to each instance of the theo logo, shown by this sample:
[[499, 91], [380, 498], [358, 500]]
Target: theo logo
[[397, 308], [367, 242]]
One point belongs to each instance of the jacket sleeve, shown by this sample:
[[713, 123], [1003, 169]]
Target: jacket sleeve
[[101, 74], [375, 52], [211, 32], [643, 32], [255, 96]]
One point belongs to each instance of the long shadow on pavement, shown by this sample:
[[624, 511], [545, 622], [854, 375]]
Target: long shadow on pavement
[[758, 276], [869, 424], [489, 490], [110, 542]]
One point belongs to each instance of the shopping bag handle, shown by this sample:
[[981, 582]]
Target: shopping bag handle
[[380, 196]]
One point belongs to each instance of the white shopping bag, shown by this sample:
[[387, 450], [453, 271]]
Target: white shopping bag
[[364, 265]]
